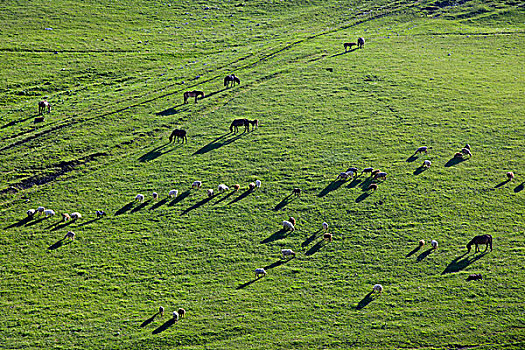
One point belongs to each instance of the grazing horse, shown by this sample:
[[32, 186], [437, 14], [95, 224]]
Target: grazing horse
[[194, 93], [240, 122], [178, 134], [231, 79], [42, 106], [349, 45], [483, 239], [254, 123], [360, 43]]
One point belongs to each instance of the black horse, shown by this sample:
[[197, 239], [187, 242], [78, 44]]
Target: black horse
[[231, 79], [483, 239], [240, 122], [178, 134]]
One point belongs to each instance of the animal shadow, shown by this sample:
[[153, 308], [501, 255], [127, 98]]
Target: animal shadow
[[155, 153], [173, 110], [165, 326], [282, 233], [140, 206], [277, 263], [242, 196], [218, 143], [149, 320], [365, 301], [57, 227], [354, 183], [420, 170], [519, 188], [14, 122], [362, 197], [414, 251], [179, 198], [125, 208], [19, 223], [34, 222], [423, 255], [315, 248], [460, 262], [366, 183], [502, 183], [224, 198], [454, 161], [412, 158], [311, 238], [89, 222], [244, 285], [286, 200], [334, 185], [58, 244], [159, 204], [197, 205]]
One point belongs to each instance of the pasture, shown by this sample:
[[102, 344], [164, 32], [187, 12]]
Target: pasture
[[432, 73]]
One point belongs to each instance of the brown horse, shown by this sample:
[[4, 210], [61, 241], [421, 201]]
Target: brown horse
[[194, 93], [231, 79], [178, 134], [483, 239], [254, 123], [240, 122], [42, 106], [349, 45]]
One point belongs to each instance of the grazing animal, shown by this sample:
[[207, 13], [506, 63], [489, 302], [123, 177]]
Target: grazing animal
[[258, 183], [40, 210], [466, 152], [196, 184], [161, 311], [375, 172], [346, 175], [510, 175], [427, 163], [42, 106], [467, 146], [49, 212], [254, 123], [352, 169], [287, 253], [368, 170], [380, 175], [422, 149], [236, 187], [240, 122], [251, 186], [482, 239], [175, 315], [297, 192], [100, 213], [31, 213], [377, 288], [66, 217], [327, 237], [475, 277], [292, 220], [173, 193], [75, 216], [181, 312], [178, 134], [139, 197], [260, 272], [194, 93], [155, 196], [231, 79], [288, 226], [223, 188], [349, 45], [210, 193], [70, 234], [434, 244], [458, 155], [325, 226], [361, 43], [39, 119], [421, 242], [372, 187]]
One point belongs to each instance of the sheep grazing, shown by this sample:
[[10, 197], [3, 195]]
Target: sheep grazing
[[196, 184], [175, 316], [458, 155], [161, 311], [427, 163], [173, 193], [325, 226], [475, 277], [466, 152], [346, 175], [288, 226], [327, 237], [292, 220], [181, 312], [223, 188], [70, 235], [297, 192], [100, 213], [422, 149], [377, 288], [236, 187], [42, 106], [421, 242], [65, 217], [251, 186], [467, 146], [380, 175], [510, 175], [287, 253], [258, 183], [375, 172], [75, 216], [210, 193], [352, 169], [30, 213], [260, 272], [372, 187], [368, 170], [40, 210], [434, 244], [139, 197], [49, 212], [155, 196]]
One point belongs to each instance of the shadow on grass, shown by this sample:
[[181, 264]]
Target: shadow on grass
[[58, 244], [228, 195], [179, 198], [315, 248], [414, 251], [277, 263], [19, 223], [342, 53], [125, 208], [89, 222], [420, 170], [219, 142], [244, 285], [365, 301], [242, 196], [286, 200], [519, 188], [282, 233], [14, 122], [311, 238], [362, 197], [334, 185], [165, 326], [502, 183], [61, 226], [173, 110], [354, 183], [34, 222], [157, 152], [412, 158], [460, 262], [454, 161], [159, 204], [197, 205], [149, 320], [366, 183], [423, 255], [140, 206]]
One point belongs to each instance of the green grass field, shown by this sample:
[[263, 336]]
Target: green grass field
[[432, 73]]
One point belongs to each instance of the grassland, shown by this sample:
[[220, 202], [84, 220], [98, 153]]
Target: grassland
[[433, 73]]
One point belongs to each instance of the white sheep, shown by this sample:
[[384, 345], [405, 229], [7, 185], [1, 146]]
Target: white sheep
[[49, 212], [210, 193], [325, 226], [40, 210], [173, 193], [434, 244], [422, 149], [287, 253], [75, 216], [66, 217], [258, 183], [288, 226], [260, 272], [380, 175], [161, 311], [421, 242], [368, 170], [343, 176], [466, 151], [251, 186], [196, 184], [510, 175], [31, 213], [70, 234], [222, 188], [175, 315], [181, 312], [427, 163], [155, 195], [377, 288], [139, 197]]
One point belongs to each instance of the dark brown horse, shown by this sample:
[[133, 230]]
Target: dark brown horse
[[483, 239], [240, 122], [254, 123], [231, 79], [349, 45], [194, 93], [178, 134], [42, 106]]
